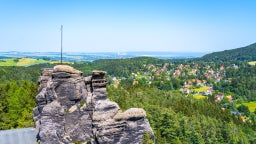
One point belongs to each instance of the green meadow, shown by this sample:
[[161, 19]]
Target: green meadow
[[252, 63], [20, 61], [251, 106]]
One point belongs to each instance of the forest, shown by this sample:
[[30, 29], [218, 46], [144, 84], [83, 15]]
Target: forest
[[235, 55], [155, 85]]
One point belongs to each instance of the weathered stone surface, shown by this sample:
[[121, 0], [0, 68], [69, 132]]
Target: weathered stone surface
[[131, 114], [96, 74], [72, 108], [65, 68], [51, 124]]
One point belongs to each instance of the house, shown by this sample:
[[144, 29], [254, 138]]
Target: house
[[222, 68], [199, 82], [193, 72], [236, 113], [176, 73], [230, 98], [219, 97], [186, 90], [135, 82], [235, 66], [243, 118], [209, 91], [217, 80], [180, 66]]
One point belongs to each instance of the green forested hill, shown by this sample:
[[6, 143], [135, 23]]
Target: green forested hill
[[174, 116], [116, 67], [247, 53], [176, 119]]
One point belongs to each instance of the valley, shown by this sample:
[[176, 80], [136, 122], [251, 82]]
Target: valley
[[187, 100]]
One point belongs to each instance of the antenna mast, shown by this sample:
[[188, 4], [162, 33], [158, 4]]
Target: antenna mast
[[61, 29]]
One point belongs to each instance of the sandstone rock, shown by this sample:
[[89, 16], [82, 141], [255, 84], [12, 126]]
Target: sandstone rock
[[131, 114], [98, 75], [66, 68], [72, 108]]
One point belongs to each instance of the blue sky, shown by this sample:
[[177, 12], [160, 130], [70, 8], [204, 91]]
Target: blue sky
[[127, 25]]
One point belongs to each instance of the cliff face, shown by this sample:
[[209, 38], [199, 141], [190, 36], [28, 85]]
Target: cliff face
[[72, 108]]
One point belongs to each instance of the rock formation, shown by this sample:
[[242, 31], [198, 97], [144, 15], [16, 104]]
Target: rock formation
[[75, 109]]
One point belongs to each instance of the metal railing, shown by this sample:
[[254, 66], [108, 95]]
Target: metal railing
[[18, 136]]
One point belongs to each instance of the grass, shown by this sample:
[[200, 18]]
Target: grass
[[252, 63], [58, 62], [26, 62], [20, 62], [7, 62], [29, 61], [198, 96], [201, 89], [250, 105]]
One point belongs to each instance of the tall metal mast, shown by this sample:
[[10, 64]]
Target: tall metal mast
[[61, 29]]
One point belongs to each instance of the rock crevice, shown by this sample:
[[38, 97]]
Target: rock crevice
[[72, 108]]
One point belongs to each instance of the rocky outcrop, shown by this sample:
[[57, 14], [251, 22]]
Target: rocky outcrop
[[72, 108]]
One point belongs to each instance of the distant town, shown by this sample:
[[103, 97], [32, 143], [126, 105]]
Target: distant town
[[91, 56]]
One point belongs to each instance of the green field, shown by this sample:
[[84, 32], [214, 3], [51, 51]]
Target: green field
[[251, 106], [201, 89], [20, 61], [198, 96], [252, 63], [58, 62]]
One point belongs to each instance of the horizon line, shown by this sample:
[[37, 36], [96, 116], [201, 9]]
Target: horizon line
[[105, 51]]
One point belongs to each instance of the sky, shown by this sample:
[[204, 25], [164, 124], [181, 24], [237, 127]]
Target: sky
[[126, 25]]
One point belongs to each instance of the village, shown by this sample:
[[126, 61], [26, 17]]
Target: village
[[190, 79]]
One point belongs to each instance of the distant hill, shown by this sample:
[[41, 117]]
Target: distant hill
[[247, 53], [119, 67]]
